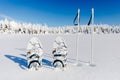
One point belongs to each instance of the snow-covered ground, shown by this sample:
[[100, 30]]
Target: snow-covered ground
[[13, 65]]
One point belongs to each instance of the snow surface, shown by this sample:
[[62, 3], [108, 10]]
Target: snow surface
[[13, 65]]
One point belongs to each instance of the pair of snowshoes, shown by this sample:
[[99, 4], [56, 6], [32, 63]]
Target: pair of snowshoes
[[35, 51]]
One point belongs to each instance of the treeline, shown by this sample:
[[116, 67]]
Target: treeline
[[13, 27]]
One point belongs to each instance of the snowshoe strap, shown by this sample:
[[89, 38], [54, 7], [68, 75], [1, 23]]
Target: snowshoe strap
[[34, 55]]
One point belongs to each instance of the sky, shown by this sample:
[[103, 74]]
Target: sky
[[61, 12]]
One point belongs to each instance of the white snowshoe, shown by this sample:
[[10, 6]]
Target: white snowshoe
[[59, 53], [34, 53]]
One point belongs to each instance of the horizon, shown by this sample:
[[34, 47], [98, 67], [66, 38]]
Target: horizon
[[60, 12], [18, 22]]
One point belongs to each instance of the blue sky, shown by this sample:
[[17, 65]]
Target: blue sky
[[61, 12]]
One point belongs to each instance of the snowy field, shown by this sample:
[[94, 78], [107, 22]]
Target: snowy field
[[13, 65]]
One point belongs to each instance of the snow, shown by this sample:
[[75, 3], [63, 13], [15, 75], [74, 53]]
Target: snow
[[13, 64]]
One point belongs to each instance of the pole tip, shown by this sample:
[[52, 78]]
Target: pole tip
[[92, 8]]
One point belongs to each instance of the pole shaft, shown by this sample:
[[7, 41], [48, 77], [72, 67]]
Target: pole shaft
[[77, 36], [92, 36]]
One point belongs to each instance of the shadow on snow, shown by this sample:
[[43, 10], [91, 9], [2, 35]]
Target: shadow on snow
[[47, 62], [23, 62]]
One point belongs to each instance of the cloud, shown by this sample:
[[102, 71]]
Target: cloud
[[5, 16]]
